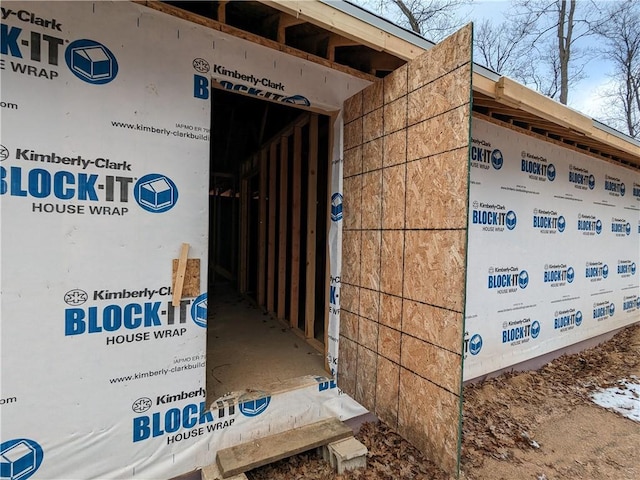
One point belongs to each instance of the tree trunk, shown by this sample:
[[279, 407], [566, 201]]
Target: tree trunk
[[565, 33]]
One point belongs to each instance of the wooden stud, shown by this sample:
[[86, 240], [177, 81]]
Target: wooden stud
[[182, 268], [336, 41], [312, 195], [262, 228], [271, 255], [222, 11], [282, 236], [244, 234], [284, 22], [295, 227]]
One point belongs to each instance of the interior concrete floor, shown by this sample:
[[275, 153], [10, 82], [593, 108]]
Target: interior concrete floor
[[247, 349]]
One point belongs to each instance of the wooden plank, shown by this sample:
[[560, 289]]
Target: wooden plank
[[284, 22], [312, 194], [296, 198], [262, 228], [191, 285], [244, 240], [222, 11], [247, 456], [271, 254], [180, 272], [334, 20], [282, 235]]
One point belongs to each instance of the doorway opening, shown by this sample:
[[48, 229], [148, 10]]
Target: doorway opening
[[268, 223]]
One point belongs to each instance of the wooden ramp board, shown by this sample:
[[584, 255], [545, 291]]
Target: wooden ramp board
[[254, 454]]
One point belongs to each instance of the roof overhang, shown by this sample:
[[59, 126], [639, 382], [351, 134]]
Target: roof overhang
[[495, 97]]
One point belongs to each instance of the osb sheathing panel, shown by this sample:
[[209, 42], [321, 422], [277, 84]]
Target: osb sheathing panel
[[372, 125], [372, 155], [392, 261], [443, 59], [352, 108], [352, 203], [352, 162], [366, 377], [348, 324], [395, 84], [347, 366], [395, 115], [387, 387], [370, 304], [438, 134], [431, 362], [370, 260], [393, 197], [353, 133], [349, 300], [391, 311], [436, 325], [428, 416], [404, 246], [389, 343], [371, 207], [372, 98], [446, 178], [434, 267], [395, 148], [191, 286], [351, 246], [368, 333], [441, 95]]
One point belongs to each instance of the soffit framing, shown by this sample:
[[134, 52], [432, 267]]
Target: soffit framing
[[342, 36]]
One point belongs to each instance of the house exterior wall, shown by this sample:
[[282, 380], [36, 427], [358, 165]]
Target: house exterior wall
[[406, 163], [104, 174], [554, 245]]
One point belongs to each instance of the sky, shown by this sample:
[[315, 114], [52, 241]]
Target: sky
[[585, 96]]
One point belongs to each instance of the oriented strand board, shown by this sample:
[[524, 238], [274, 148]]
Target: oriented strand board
[[191, 286], [404, 247]]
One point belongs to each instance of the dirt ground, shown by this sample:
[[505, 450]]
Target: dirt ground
[[532, 425]]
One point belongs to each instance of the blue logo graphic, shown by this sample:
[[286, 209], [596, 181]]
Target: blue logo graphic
[[496, 159], [91, 61], [336, 207], [627, 228], [605, 271], [551, 172], [633, 268], [562, 223], [20, 458], [612, 309], [253, 408], [511, 220], [598, 227], [523, 279], [535, 329], [578, 318], [199, 310], [638, 302], [297, 100], [622, 189], [156, 193], [592, 182], [571, 274], [475, 344]]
